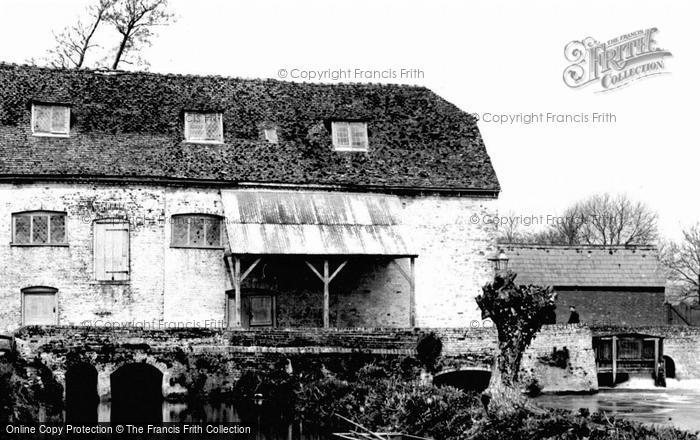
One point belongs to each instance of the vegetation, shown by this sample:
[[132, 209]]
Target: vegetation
[[131, 24], [20, 396], [518, 313], [381, 400], [602, 219], [682, 259]]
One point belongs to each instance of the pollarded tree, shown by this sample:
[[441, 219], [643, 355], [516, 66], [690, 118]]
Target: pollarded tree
[[518, 312]]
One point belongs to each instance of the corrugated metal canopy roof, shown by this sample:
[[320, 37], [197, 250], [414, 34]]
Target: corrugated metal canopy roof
[[313, 223]]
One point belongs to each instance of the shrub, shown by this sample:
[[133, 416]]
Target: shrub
[[428, 350]]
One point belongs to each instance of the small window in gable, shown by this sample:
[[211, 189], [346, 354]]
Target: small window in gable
[[204, 127], [50, 120], [39, 228], [271, 135], [196, 231], [350, 136]]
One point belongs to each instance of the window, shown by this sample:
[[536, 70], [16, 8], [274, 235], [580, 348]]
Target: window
[[271, 135], [50, 120], [196, 231], [204, 127], [111, 250], [350, 136], [39, 228]]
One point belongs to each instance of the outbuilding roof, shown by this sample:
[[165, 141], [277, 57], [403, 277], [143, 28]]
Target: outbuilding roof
[[586, 266], [130, 124]]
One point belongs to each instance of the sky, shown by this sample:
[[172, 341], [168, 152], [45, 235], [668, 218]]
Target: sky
[[487, 57]]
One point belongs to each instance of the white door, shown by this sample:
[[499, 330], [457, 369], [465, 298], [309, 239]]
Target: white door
[[39, 307]]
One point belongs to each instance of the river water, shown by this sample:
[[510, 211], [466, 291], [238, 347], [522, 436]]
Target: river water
[[676, 405]]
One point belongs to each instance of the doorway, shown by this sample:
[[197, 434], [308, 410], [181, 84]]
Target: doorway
[[39, 306], [258, 309]]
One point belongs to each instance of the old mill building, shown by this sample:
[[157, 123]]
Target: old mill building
[[174, 200]]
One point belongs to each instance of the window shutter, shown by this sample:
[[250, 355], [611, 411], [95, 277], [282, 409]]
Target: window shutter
[[99, 251], [112, 251]]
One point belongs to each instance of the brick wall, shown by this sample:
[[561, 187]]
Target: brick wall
[[189, 285], [613, 306]]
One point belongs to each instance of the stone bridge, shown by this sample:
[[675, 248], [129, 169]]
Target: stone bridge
[[204, 360]]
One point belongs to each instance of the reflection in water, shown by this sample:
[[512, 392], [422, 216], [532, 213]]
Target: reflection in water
[[136, 395], [81, 395], [225, 413], [676, 407]]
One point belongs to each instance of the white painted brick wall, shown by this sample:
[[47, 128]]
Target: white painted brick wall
[[188, 285]]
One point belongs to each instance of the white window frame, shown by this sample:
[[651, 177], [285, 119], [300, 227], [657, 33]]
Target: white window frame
[[271, 135], [187, 218], [63, 133], [337, 126], [220, 134], [31, 215]]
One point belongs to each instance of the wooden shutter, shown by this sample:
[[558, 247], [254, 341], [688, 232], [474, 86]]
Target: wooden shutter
[[112, 251]]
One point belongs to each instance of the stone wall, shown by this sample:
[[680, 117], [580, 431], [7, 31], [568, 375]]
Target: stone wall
[[221, 357], [178, 286], [454, 239]]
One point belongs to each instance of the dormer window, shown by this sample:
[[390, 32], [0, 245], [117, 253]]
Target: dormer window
[[271, 135], [50, 120], [205, 127], [350, 136]]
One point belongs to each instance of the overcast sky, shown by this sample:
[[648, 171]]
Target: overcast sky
[[486, 57]]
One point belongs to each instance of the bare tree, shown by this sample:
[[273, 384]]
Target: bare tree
[[134, 20], [510, 231], [566, 229], [616, 220], [73, 43], [683, 262], [599, 220]]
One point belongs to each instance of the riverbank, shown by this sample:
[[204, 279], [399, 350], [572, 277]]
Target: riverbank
[[388, 397]]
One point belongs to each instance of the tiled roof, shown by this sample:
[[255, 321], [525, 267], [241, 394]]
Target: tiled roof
[[131, 124], [586, 266]]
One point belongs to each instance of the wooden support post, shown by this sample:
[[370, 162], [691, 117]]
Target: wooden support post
[[326, 278], [614, 359], [412, 308], [233, 264], [237, 290], [656, 358], [326, 296]]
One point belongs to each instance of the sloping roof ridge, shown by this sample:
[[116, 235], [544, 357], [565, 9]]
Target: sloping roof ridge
[[106, 72], [602, 247]]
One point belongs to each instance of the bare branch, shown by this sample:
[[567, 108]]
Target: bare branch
[[73, 43], [134, 20]]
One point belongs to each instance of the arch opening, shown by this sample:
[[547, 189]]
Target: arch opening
[[81, 394], [137, 395], [467, 380], [669, 367]]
